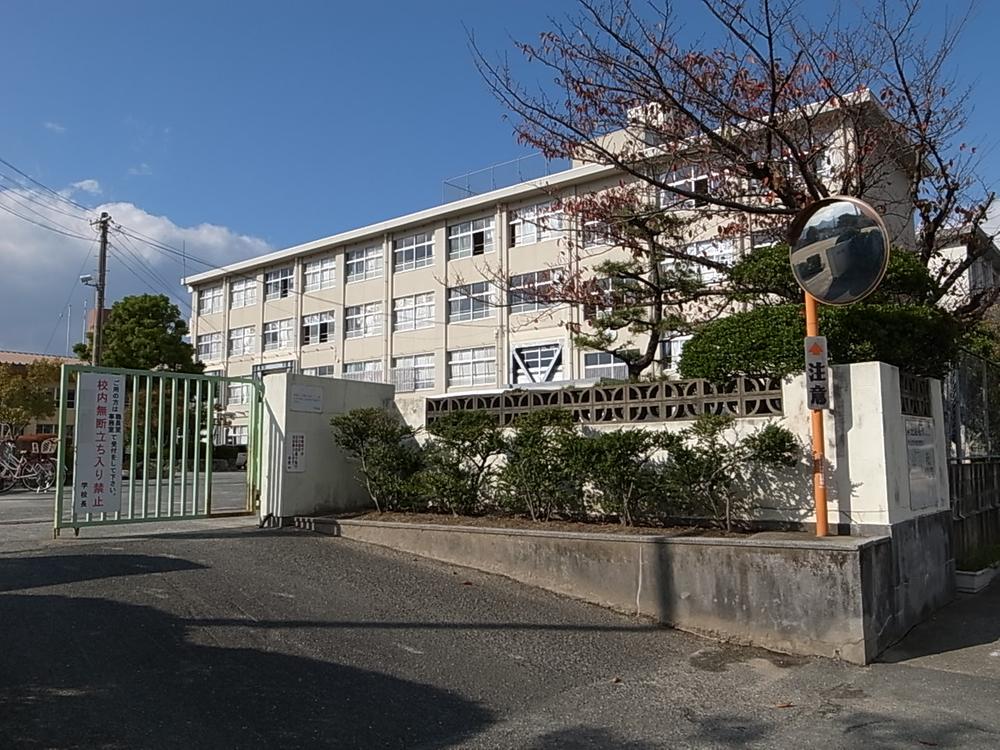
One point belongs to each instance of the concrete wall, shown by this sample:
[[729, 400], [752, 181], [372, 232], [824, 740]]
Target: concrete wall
[[303, 405], [842, 597]]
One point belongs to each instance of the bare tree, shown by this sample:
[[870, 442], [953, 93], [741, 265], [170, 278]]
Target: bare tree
[[737, 138]]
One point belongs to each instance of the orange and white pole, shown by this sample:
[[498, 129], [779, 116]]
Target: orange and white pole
[[818, 452]]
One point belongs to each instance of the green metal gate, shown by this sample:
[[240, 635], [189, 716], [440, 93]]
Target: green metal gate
[[168, 424]]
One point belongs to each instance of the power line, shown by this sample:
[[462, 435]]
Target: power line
[[46, 188], [38, 198], [69, 296], [43, 226]]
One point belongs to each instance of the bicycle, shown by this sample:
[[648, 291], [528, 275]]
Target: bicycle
[[22, 460]]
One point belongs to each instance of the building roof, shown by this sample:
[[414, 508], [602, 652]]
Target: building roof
[[521, 190], [25, 358]]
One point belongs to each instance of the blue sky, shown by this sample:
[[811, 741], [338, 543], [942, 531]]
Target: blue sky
[[276, 123]]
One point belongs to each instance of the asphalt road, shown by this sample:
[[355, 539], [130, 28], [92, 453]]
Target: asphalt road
[[218, 635]]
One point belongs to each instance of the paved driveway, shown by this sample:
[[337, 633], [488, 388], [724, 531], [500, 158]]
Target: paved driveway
[[215, 634]]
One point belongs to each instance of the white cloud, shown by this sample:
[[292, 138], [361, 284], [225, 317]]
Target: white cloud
[[54, 127], [88, 186], [42, 267], [141, 170]]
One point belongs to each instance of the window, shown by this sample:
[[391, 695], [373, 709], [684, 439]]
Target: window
[[363, 320], [317, 328], [470, 302], [210, 346], [210, 300], [259, 371], [323, 371], [320, 273], [530, 291], [279, 283], [242, 293], [70, 398], [604, 365], [237, 435], [369, 370], [415, 251], [535, 224], [45, 429], [718, 251], [596, 233], [693, 179], [364, 264], [237, 394], [413, 373], [415, 311], [476, 366], [540, 363], [670, 351], [470, 238], [278, 335], [242, 340]]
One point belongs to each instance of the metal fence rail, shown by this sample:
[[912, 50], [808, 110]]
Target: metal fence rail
[[168, 423], [664, 401]]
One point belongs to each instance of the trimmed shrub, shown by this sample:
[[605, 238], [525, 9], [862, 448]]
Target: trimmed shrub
[[388, 455], [459, 461], [541, 475]]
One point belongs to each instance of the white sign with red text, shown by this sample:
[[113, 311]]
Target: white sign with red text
[[97, 465]]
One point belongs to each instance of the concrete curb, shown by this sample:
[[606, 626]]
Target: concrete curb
[[797, 596]]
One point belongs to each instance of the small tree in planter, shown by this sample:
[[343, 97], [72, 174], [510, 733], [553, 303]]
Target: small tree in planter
[[460, 460], [707, 468], [389, 457], [541, 472]]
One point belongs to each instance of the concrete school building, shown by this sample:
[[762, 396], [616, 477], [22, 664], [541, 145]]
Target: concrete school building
[[413, 300]]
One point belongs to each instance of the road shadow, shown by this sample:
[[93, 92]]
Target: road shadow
[[86, 673], [588, 738], [969, 620], [21, 573]]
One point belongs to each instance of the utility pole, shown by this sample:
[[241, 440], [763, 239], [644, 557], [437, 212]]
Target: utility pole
[[102, 272]]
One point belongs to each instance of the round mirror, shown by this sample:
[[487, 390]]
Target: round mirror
[[839, 250]]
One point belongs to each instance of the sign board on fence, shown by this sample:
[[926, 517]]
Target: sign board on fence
[[295, 458], [306, 398], [920, 460], [817, 373], [97, 465]]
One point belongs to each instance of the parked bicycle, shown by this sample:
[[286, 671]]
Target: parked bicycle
[[27, 459]]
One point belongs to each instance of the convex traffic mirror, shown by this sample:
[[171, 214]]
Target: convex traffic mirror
[[839, 250]]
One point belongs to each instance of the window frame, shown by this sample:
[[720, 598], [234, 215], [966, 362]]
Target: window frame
[[365, 312], [459, 295], [535, 304], [214, 295], [371, 260], [247, 334], [279, 283], [285, 335], [214, 352], [487, 376], [324, 271], [414, 383], [246, 290], [458, 232], [414, 307], [325, 324], [418, 246]]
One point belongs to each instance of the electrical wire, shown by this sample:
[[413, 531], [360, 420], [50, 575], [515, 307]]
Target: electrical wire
[[69, 296]]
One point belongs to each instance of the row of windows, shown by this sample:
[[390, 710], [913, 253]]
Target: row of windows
[[465, 239], [528, 292], [534, 363]]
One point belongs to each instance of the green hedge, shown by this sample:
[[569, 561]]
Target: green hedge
[[543, 467]]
